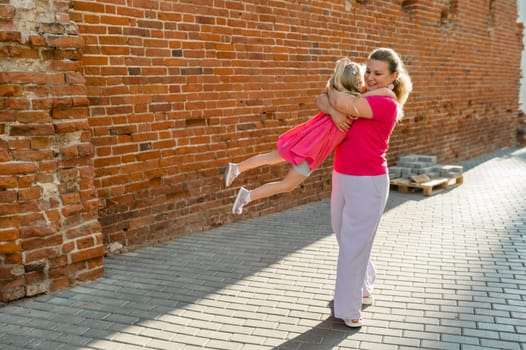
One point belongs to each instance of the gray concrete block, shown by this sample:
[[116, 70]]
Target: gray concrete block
[[451, 170], [408, 158], [407, 172], [428, 159], [395, 172]]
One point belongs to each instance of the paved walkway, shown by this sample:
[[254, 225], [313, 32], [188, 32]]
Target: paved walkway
[[452, 275]]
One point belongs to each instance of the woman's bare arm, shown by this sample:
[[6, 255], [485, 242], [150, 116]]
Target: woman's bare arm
[[355, 106]]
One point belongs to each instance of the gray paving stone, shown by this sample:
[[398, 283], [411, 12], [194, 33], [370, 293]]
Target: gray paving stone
[[50, 345], [440, 345], [377, 346], [15, 340], [14, 347], [500, 344], [480, 333], [451, 275], [460, 339], [401, 341]]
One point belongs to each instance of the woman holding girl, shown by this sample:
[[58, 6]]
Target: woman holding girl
[[305, 146], [360, 182]]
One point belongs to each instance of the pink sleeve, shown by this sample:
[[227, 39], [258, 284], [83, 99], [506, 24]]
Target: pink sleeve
[[382, 106]]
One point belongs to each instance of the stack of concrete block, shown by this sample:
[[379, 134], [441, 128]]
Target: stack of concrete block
[[417, 164]]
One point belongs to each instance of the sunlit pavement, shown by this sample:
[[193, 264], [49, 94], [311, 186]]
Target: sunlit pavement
[[451, 275]]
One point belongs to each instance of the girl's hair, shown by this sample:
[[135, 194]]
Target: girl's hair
[[347, 77], [402, 85]]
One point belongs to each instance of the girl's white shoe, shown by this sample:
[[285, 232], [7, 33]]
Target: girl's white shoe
[[232, 171], [243, 197]]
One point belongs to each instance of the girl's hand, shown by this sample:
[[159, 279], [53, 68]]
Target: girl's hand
[[342, 122], [355, 106]]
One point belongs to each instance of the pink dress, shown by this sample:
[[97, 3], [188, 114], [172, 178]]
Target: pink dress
[[312, 141]]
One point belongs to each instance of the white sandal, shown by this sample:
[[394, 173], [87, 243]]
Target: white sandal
[[354, 323]]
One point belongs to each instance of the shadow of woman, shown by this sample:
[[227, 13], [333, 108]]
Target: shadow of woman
[[326, 335]]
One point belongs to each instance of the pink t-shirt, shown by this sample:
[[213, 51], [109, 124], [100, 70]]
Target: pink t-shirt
[[362, 151]]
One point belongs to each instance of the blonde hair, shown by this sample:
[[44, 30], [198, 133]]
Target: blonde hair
[[347, 77], [402, 84]]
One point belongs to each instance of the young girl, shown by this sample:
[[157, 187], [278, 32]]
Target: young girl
[[305, 146]]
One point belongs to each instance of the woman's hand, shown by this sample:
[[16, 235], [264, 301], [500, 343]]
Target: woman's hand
[[342, 122]]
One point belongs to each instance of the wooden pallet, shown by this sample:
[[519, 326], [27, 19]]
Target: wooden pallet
[[429, 187]]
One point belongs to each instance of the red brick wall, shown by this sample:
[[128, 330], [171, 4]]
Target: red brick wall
[[179, 88], [49, 234], [148, 100], [464, 58]]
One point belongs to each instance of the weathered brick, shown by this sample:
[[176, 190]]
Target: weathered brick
[[5, 181], [37, 255], [31, 155], [84, 243], [91, 275], [9, 247], [34, 277], [36, 40], [28, 194], [32, 130], [72, 210], [9, 234], [59, 283], [36, 230], [62, 41], [87, 254], [51, 28], [9, 208], [12, 290], [52, 241], [11, 272], [7, 91], [7, 12]]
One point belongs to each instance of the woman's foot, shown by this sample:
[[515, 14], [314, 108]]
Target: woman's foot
[[231, 172], [243, 197], [357, 323]]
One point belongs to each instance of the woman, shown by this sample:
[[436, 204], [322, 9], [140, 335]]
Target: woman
[[360, 182]]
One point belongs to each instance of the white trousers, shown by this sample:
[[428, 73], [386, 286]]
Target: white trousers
[[357, 205]]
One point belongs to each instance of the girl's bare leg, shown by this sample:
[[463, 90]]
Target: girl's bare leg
[[234, 169], [287, 184], [258, 160]]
